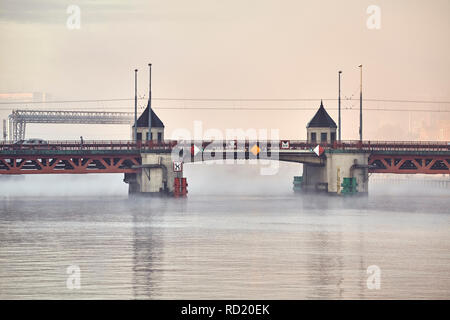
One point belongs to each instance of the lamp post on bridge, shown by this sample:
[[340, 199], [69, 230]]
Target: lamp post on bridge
[[135, 104], [339, 106], [149, 138], [360, 108]]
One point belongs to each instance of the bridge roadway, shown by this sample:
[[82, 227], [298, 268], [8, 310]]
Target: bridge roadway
[[74, 157]]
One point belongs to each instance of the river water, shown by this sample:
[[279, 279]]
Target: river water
[[216, 246]]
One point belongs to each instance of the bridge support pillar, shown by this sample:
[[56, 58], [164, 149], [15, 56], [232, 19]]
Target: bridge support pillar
[[154, 177], [338, 165]]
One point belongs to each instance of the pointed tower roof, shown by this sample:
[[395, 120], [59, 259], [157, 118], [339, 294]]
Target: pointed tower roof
[[321, 119], [143, 120]]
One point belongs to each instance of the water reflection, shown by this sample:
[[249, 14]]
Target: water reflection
[[280, 247], [147, 246]]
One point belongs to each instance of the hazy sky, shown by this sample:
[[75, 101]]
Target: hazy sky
[[229, 49]]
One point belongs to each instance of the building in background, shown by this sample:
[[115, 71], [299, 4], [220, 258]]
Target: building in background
[[24, 97], [14, 98], [433, 126]]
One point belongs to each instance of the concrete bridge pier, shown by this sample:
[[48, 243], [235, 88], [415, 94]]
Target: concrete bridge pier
[[342, 173], [155, 176]]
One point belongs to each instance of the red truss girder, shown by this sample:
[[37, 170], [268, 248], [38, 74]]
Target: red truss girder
[[408, 164], [68, 164]]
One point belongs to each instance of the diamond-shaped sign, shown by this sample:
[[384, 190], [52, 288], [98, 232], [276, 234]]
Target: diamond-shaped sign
[[318, 150], [255, 150], [195, 150]]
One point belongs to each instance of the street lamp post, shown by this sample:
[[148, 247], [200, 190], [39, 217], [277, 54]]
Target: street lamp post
[[339, 106], [135, 104], [149, 137], [360, 108]]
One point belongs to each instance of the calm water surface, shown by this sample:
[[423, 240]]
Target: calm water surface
[[217, 247]]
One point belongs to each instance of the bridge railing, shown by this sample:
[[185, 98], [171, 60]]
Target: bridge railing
[[392, 145], [374, 145], [71, 145], [142, 146]]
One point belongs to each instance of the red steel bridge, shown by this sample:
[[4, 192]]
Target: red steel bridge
[[74, 157]]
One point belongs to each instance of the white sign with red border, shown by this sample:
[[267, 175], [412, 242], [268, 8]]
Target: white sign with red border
[[285, 144]]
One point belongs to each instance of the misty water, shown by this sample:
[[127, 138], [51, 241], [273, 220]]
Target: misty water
[[237, 236]]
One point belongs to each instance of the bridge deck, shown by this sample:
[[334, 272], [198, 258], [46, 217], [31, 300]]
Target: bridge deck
[[124, 156], [352, 145]]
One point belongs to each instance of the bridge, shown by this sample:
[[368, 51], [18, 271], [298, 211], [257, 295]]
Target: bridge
[[155, 165], [58, 157]]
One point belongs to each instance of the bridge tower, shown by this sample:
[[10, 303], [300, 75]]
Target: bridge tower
[[156, 175], [157, 134], [342, 171], [321, 128]]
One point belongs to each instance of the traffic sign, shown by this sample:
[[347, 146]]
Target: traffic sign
[[285, 144], [195, 150], [318, 150], [177, 166], [255, 149]]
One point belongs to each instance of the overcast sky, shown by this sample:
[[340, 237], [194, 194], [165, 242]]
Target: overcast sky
[[230, 49]]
